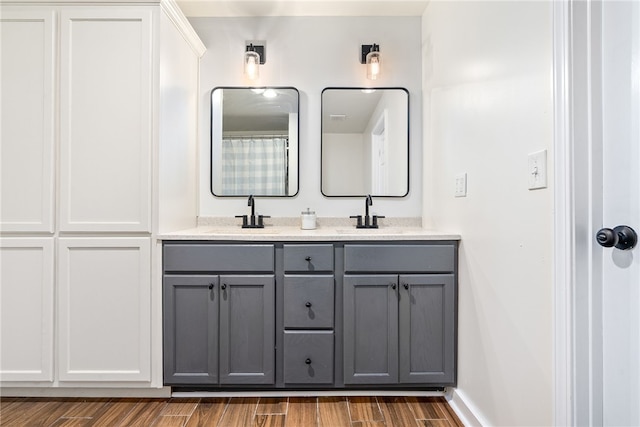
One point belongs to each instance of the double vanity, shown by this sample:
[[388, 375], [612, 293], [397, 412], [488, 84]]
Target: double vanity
[[357, 304], [331, 308]]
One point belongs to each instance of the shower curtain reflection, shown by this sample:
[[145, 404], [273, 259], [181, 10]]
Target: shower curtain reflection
[[255, 165]]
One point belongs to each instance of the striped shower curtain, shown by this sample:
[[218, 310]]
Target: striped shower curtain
[[254, 166]]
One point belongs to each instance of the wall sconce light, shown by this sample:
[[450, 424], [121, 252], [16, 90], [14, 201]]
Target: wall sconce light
[[370, 55], [254, 56]]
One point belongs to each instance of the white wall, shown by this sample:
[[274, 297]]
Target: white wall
[[487, 69], [311, 53]]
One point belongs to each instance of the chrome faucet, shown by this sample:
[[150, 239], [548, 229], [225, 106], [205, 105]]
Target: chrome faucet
[[369, 221], [252, 221]]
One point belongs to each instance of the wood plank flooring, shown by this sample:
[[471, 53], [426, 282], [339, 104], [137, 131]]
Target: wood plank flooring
[[229, 412]]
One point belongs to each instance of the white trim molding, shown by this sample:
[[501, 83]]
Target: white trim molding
[[174, 13], [563, 217], [467, 413]]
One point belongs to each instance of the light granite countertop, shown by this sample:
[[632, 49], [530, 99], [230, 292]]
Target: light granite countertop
[[327, 230]]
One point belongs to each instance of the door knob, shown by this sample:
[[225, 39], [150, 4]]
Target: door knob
[[622, 237]]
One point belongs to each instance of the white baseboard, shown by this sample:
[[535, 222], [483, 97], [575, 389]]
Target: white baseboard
[[465, 411], [85, 392], [305, 393]]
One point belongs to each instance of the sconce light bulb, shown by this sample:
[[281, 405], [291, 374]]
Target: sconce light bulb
[[373, 65], [251, 65]]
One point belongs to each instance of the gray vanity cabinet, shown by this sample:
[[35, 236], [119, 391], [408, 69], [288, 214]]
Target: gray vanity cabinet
[[219, 314], [191, 329], [426, 329], [308, 313], [399, 328], [247, 329], [371, 329]]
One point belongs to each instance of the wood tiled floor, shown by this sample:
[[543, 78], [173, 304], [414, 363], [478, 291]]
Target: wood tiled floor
[[235, 412]]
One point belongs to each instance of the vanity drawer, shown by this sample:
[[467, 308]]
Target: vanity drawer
[[399, 258], [191, 257], [308, 258], [308, 357], [308, 301]]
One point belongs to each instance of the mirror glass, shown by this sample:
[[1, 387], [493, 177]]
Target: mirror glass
[[254, 141], [365, 142]]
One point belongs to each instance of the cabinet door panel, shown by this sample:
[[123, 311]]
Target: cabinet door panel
[[27, 114], [190, 329], [247, 329], [427, 329], [104, 309], [105, 119], [370, 329], [26, 309]]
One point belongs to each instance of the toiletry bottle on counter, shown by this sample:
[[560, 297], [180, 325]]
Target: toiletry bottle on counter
[[308, 220]]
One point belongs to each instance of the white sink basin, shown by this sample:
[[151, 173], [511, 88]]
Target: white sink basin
[[242, 231], [381, 230]]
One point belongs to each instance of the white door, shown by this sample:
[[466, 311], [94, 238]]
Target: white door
[[621, 206], [597, 52]]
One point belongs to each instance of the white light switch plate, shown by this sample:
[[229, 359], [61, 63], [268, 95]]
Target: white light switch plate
[[537, 170], [461, 185]]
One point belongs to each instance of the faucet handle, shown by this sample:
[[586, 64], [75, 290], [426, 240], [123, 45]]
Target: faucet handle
[[244, 220], [374, 224], [260, 220], [359, 218]]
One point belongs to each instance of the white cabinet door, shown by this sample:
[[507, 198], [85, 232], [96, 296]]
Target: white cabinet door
[[106, 81], [104, 309], [26, 316], [27, 114]]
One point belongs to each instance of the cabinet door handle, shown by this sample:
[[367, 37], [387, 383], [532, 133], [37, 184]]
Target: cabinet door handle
[[393, 286], [308, 361], [210, 285], [308, 258], [406, 285], [307, 304], [224, 286]]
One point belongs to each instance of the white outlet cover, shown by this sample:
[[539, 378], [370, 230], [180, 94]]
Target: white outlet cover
[[461, 185], [537, 170]]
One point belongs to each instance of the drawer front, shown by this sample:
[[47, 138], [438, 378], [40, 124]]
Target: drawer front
[[308, 357], [308, 258], [399, 258], [308, 302], [191, 257]]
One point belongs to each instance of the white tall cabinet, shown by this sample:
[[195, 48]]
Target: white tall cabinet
[[86, 122]]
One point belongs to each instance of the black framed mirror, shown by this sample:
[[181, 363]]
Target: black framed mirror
[[254, 141], [365, 142]]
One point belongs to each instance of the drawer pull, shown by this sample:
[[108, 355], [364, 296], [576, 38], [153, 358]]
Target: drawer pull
[[308, 258], [224, 286], [308, 361], [307, 304]]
